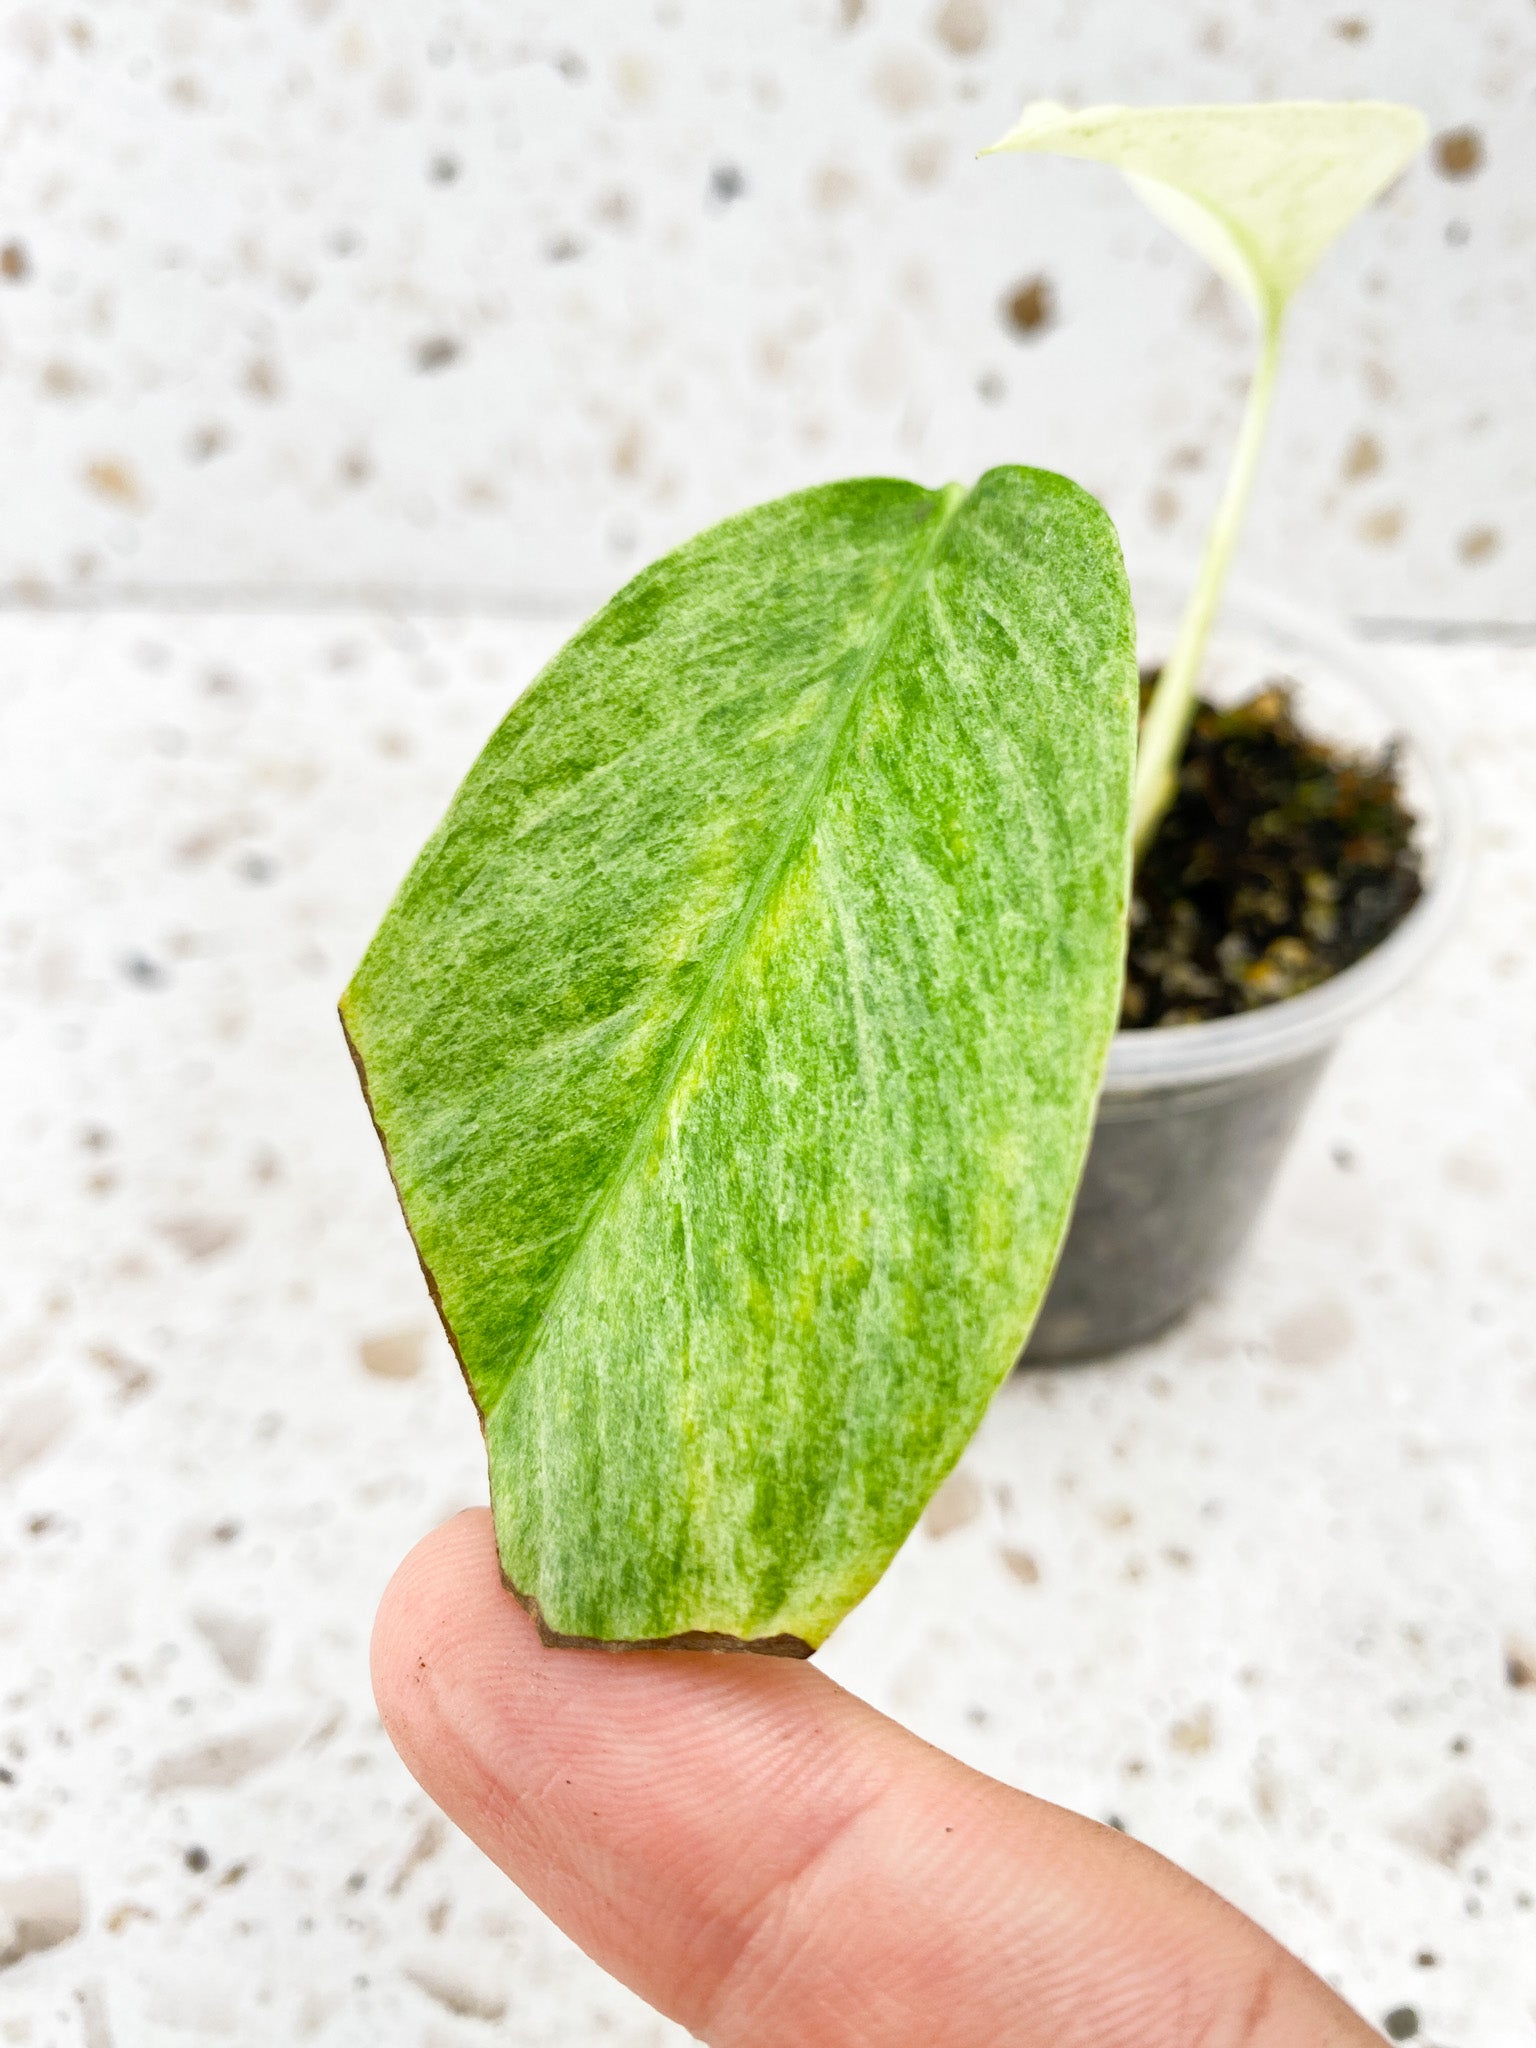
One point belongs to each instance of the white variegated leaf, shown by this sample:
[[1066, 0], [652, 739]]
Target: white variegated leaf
[[1261, 191]]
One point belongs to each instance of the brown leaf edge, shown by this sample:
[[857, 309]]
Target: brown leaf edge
[[552, 1638]]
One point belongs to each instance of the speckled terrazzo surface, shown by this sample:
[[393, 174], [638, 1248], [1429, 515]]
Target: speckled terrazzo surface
[[1266, 1591], [451, 298]]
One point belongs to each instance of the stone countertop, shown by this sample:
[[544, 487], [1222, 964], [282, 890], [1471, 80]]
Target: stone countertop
[[365, 300], [1264, 1592]]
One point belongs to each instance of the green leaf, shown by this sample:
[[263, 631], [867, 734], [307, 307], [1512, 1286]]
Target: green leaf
[[734, 1041], [1260, 191]]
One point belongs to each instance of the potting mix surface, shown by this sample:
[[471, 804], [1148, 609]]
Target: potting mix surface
[[1281, 861]]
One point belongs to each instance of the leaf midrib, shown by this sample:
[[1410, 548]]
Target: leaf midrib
[[951, 498]]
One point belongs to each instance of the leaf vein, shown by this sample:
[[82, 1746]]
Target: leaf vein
[[696, 1017]]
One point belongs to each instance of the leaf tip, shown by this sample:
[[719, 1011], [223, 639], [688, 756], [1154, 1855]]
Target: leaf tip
[[1029, 131]]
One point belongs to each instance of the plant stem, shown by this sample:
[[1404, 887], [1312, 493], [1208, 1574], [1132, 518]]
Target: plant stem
[[1172, 709]]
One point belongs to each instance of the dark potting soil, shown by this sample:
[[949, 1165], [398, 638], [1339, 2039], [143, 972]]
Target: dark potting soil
[[1281, 861]]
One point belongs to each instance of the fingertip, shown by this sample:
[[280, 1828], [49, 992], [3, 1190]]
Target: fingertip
[[646, 1799], [411, 1645], [762, 1856]]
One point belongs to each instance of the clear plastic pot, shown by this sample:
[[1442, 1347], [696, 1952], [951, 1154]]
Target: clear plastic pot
[[1194, 1119]]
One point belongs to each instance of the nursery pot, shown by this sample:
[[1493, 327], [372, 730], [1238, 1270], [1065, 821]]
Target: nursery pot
[[1194, 1119]]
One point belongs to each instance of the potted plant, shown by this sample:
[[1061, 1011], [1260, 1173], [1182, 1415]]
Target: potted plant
[[1280, 874], [735, 1041]]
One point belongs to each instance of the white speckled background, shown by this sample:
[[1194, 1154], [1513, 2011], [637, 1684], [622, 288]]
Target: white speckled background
[[464, 312], [498, 299], [1263, 1590]]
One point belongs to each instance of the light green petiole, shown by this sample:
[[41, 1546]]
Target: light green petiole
[[1172, 709], [1261, 192]]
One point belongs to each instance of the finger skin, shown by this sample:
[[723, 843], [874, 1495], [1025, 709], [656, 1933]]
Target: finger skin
[[769, 1861]]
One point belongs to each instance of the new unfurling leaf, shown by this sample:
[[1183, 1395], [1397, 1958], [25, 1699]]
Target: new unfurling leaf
[[1261, 191]]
